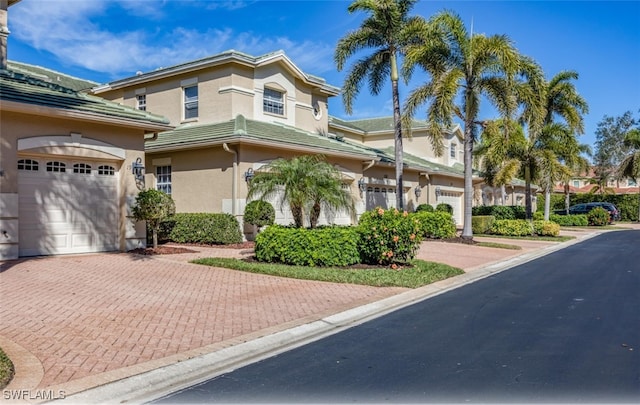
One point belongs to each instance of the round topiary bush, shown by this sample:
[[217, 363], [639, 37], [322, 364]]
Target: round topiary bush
[[444, 207], [425, 208], [259, 213], [598, 217]]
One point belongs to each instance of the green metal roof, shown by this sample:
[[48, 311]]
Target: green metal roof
[[241, 129], [378, 124], [24, 89], [51, 76]]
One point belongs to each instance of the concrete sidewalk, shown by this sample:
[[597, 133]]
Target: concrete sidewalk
[[138, 327]]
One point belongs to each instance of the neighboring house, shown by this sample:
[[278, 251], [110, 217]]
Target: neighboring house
[[586, 182], [234, 113]]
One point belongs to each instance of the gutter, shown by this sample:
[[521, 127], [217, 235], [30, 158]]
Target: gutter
[[234, 181]]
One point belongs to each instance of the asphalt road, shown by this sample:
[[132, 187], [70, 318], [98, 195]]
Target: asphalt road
[[562, 328]]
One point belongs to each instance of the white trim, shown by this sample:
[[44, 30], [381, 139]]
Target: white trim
[[188, 82], [73, 140], [236, 89]]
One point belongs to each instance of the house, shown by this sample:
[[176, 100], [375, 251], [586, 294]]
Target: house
[[66, 182], [234, 113], [586, 182]]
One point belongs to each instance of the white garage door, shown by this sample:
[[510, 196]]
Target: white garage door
[[455, 201], [67, 206]]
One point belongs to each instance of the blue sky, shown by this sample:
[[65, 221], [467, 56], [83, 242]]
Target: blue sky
[[104, 40]]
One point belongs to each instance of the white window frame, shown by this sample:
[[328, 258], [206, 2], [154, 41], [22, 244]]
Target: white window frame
[[190, 103], [82, 168], [28, 165], [141, 102], [271, 103], [163, 178]]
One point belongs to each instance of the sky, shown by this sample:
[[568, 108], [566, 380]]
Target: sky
[[105, 40]]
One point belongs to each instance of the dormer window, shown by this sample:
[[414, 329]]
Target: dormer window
[[273, 102]]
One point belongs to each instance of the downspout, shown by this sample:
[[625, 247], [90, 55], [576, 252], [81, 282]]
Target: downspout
[[234, 182]]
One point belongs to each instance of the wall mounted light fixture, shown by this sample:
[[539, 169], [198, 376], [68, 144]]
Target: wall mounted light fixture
[[248, 175], [438, 192], [362, 186], [418, 191]]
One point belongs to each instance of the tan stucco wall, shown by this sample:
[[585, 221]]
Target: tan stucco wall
[[16, 126]]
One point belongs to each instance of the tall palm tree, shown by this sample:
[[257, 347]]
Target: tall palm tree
[[306, 183], [630, 165], [562, 101], [462, 67], [386, 30]]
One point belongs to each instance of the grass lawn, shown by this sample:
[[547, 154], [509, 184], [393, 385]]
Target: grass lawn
[[6, 369], [419, 273], [540, 238], [499, 245]]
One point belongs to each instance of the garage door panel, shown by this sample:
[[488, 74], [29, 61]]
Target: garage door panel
[[67, 212]]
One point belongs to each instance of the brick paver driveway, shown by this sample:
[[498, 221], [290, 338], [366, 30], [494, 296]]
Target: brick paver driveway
[[86, 315]]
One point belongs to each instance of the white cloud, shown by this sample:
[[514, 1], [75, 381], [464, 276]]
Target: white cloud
[[81, 34]]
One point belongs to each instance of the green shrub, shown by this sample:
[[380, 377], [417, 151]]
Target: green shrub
[[500, 211], [546, 228], [259, 213], [425, 208], [538, 216], [324, 246], [512, 227], [627, 204], [436, 225], [481, 224], [444, 207], [598, 217], [153, 206], [569, 220], [217, 229], [388, 236]]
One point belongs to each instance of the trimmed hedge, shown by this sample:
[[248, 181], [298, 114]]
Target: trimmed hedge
[[569, 220], [512, 227], [500, 211], [482, 224], [546, 228], [436, 225], [216, 229], [598, 217], [324, 246]]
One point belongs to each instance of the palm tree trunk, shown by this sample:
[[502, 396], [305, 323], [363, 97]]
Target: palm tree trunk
[[527, 191], [467, 232], [547, 203], [398, 144], [567, 199]]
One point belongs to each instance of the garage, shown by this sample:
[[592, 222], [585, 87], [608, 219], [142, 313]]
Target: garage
[[454, 199], [67, 206]]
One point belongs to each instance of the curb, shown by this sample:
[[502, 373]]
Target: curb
[[154, 384]]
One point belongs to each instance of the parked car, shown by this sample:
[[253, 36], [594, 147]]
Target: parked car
[[614, 213]]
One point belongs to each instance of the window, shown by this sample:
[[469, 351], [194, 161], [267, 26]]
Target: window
[[57, 167], [106, 170], [191, 102], [163, 179], [273, 102], [81, 168], [576, 183], [28, 164], [141, 102], [453, 150], [631, 183]]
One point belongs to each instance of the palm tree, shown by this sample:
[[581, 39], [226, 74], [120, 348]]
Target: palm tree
[[306, 183], [386, 30], [563, 101], [462, 67], [630, 165]]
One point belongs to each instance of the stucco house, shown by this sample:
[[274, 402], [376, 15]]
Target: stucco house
[[235, 112]]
